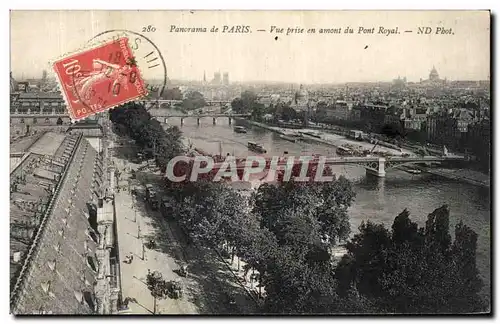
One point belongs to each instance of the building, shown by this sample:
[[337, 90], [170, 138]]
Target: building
[[434, 79], [434, 75], [373, 115], [442, 129], [464, 118], [399, 83], [355, 114], [44, 77], [217, 79], [341, 109], [13, 84], [414, 117], [63, 258], [300, 101], [394, 116], [92, 131], [38, 102], [225, 79], [478, 141]]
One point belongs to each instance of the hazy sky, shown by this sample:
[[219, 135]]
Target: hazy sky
[[38, 37]]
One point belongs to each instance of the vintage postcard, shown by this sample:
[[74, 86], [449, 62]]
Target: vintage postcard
[[250, 162]]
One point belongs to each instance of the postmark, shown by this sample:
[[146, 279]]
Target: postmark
[[99, 78], [148, 57]]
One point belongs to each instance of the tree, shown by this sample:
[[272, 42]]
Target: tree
[[244, 104], [326, 202], [172, 94], [411, 269], [248, 98], [298, 275], [297, 287], [157, 286], [194, 100], [134, 120], [211, 213], [393, 131], [288, 113], [258, 111], [237, 105]]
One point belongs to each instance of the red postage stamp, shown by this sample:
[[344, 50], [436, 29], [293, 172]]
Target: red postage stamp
[[99, 78]]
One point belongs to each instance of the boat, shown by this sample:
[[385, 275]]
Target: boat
[[344, 151], [310, 133], [256, 147], [413, 171], [289, 138], [240, 129]]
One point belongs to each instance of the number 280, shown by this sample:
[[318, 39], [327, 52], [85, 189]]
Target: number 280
[[148, 28]]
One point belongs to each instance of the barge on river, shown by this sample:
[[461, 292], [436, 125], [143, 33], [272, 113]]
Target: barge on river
[[240, 129], [259, 148]]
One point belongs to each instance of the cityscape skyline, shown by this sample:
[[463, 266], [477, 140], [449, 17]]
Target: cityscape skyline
[[271, 57], [207, 81]]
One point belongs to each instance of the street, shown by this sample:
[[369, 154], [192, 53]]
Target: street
[[209, 283]]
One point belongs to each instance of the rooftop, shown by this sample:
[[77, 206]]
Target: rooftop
[[48, 143], [40, 95], [22, 144], [53, 228]]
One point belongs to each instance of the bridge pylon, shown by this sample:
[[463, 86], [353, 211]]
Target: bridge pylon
[[378, 168]]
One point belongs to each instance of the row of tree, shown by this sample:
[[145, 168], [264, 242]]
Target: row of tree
[[287, 231], [414, 270], [133, 120], [248, 103]]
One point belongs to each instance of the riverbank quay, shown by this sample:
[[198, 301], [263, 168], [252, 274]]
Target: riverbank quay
[[310, 138], [469, 176], [262, 125], [279, 130], [335, 140], [332, 139]]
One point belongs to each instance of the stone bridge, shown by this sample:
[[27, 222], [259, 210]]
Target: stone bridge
[[163, 104], [163, 118]]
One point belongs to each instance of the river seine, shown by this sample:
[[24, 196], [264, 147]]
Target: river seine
[[379, 200]]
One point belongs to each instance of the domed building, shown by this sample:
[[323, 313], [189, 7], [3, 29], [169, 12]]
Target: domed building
[[433, 78], [434, 75]]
